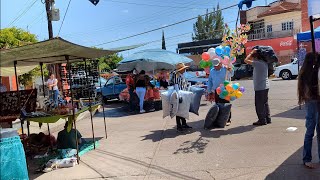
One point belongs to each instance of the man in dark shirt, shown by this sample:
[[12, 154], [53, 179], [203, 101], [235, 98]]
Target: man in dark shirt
[[67, 139]]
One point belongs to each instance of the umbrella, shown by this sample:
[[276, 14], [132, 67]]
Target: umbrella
[[152, 59]]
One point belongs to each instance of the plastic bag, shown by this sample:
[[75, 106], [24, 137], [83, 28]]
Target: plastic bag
[[196, 99], [184, 106]]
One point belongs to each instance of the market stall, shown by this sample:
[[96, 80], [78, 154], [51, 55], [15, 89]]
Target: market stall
[[53, 51]]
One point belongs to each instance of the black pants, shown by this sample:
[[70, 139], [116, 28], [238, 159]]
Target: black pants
[[131, 99], [219, 100], [262, 106], [180, 121]]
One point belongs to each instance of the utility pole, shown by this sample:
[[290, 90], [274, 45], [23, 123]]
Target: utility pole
[[48, 10]]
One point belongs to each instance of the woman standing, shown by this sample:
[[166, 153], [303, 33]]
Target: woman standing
[[141, 84], [53, 89], [177, 79], [308, 94]]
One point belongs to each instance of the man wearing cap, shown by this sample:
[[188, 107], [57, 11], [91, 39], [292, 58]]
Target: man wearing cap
[[177, 79], [217, 76]]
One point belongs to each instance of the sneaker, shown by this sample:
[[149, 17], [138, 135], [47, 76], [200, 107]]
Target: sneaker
[[179, 129], [153, 109], [142, 111], [259, 123], [228, 123], [186, 127]]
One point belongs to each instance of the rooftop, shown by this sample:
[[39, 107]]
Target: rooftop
[[283, 7]]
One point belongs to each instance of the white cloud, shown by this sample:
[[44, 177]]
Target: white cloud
[[125, 11]]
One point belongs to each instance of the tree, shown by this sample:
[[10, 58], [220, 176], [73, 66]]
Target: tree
[[14, 37], [108, 63], [163, 41], [209, 27]]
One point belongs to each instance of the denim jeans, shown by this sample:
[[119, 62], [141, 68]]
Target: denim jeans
[[312, 123], [141, 92], [54, 96]]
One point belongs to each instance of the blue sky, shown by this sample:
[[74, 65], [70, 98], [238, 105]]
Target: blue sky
[[90, 25]]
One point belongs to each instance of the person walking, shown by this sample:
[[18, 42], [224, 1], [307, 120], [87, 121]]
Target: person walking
[[130, 86], [53, 89], [177, 79], [141, 84], [308, 93], [217, 76], [261, 87]]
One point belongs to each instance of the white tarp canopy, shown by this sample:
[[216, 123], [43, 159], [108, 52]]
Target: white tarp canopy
[[52, 51], [9, 71]]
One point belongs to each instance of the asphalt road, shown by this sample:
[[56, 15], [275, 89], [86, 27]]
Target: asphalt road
[[146, 146]]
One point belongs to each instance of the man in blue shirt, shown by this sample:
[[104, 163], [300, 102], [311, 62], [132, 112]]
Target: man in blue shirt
[[217, 76]]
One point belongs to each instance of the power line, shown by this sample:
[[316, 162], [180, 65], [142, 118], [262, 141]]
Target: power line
[[64, 16], [125, 24], [154, 5], [25, 11], [173, 24]]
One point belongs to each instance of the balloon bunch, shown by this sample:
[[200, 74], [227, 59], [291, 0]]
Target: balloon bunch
[[230, 91], [232, 46]]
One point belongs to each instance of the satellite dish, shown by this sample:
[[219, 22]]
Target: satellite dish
[[94, 2]]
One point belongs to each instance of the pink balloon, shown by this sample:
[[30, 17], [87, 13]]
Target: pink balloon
[[207, 70], [225, 60], [205, 56]]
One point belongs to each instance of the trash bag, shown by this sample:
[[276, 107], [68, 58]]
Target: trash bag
[[211, 117], [165, 97], [267, 54], [223, 116], [195, 101]]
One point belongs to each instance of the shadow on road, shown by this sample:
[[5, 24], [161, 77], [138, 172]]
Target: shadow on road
[[292, 168], [201, 142], [294, 113]]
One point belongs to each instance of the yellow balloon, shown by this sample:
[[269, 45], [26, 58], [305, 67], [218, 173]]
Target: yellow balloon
[[232, 93], [238, 94]]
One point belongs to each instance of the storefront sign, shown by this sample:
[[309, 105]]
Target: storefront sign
[[278, 44], [313, 7]]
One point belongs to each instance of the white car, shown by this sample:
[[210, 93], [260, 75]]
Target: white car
[[288, 71]]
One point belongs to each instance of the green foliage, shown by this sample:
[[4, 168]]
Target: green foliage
[[109, 62], [211, 26], [15, 37]]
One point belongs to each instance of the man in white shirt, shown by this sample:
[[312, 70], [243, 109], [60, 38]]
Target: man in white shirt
[[53, 89]]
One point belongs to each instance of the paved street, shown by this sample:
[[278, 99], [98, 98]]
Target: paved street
[[148, 147]]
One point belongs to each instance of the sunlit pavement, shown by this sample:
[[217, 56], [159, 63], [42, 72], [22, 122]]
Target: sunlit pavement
[[146, 146]]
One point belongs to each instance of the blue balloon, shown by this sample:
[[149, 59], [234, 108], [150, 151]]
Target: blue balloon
[[227, 50], [235, 86], [232, 98], [222, 88], [219, 50]]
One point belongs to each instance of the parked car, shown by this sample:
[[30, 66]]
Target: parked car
[[111, 89], [193, 79], [242, 71], [288, 71]]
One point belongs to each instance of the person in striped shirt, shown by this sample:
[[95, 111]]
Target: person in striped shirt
[[177, 79]]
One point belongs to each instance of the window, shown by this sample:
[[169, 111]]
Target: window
[[269, 28], [287, 26]]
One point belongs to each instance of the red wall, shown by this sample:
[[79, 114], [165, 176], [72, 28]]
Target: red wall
[[305, 17]]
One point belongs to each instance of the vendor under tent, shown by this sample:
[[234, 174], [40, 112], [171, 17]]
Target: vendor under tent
[[152, 59], [53, 51]]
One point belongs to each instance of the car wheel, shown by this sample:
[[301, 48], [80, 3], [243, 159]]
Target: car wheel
[[285, 74]]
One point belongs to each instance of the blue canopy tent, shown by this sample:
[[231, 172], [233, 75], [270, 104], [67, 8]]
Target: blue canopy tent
[[306, 36]]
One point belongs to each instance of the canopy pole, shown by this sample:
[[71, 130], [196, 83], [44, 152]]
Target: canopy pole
[[312, 35], [44, 95], [90, 108], [73, 113], [102, 103], [18, 93]]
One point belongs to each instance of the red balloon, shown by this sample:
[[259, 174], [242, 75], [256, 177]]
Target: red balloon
[[218, 90], [205, 56]]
